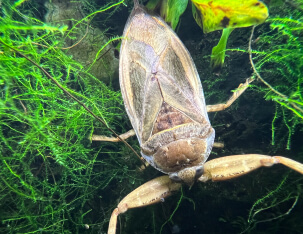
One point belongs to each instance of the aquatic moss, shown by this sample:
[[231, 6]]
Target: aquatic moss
[[278, 58], [275, 205], [53, 179]]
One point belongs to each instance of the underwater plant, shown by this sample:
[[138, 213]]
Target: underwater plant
[[226, 15], [275, 205], [276, 58], [53, 178], [170, 10]]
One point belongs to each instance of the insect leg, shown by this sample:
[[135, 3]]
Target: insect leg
[[123, 136], [237, 165], [151, 192], [234, 97]]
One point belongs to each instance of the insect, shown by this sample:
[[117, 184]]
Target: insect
[[164, 100]]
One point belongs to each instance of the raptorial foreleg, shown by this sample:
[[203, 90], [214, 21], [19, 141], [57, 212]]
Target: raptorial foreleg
[[229, 167], [151, 192]]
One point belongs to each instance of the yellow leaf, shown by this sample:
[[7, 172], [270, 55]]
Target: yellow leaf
[[219, 14]]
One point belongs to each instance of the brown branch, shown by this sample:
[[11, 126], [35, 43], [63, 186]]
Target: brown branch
[[23, 106]]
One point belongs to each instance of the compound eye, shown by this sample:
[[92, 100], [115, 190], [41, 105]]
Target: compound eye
[[199, 171], [175, 177]]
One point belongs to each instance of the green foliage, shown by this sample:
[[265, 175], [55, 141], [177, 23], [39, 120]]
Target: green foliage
[[226, 15], [53, 179], [278, 58], [220, 14], [218, 51], [273, 206], [170, 10]]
